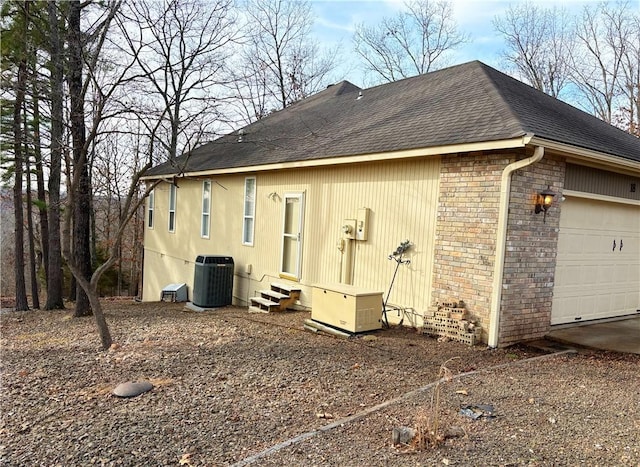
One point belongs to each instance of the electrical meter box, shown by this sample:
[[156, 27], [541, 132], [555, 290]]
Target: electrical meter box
[[352, 309], [362, 224]]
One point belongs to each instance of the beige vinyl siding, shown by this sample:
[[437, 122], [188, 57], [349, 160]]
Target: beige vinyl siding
[[401, 196], [170, 258]]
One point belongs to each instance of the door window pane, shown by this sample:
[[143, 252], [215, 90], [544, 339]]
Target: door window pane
[[249, 210], [292, 234], [206, 208], [172, 208], [151, 206], [291, 216], [289, 255]]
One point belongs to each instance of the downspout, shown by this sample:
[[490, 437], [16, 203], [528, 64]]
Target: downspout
[[501, 241]]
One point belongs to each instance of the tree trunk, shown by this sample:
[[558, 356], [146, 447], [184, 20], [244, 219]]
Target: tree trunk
[[136, 249], [119, 280], [91, 290], [42, 196], [54, 275], [35, 293], [93, 248], [21, 291], [81, 185], [101, 322], [73, 287]]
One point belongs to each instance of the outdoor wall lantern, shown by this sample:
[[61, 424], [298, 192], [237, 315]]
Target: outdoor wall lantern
[[544, 200]]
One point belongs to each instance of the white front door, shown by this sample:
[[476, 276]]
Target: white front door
[[293, 219], [598, 263]]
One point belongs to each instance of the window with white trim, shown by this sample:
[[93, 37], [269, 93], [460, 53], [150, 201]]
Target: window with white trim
[[151, 205], [172, 207], [249, 210], [206, 209]]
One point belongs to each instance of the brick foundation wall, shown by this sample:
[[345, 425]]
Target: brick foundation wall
[[531, 251], [467, 219]]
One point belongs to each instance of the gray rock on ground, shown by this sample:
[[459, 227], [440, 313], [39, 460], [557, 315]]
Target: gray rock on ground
[[132, 388]]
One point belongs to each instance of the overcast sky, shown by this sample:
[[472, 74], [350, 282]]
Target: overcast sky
[[336, 20]]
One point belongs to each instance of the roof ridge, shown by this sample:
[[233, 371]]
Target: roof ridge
[[332, 90], [427, 73], [488, 71]]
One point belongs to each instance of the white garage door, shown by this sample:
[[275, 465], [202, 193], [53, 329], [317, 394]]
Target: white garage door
[[598, 263]]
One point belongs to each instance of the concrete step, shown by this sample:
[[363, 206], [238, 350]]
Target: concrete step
[[292, 291], [265, 304], [284, 287], [273, 295], [263, 301]]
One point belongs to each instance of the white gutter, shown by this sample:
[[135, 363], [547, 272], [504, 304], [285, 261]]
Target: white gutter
[[501, 241], [582, 156]]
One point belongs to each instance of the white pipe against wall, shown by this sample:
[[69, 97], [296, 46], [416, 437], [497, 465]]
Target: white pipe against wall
[[347, 262], [340, 246], [501, 241]]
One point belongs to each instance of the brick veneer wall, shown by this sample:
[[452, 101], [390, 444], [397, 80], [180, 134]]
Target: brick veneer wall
[[531, 251], [464, 256], [466, 226]]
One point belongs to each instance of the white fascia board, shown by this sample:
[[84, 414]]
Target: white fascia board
[[518, 142], [589, 157]]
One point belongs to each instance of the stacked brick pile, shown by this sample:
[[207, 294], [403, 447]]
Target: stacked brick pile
[[450, 320]]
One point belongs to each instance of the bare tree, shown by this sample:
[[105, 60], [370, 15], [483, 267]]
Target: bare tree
[[630, 79], [82, 55], [180, 48], [116, 156], [538, 45], [597, 63], [414, 42], [280, 63], [180, 78]]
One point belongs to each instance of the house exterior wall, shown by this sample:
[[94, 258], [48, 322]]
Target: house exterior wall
[[465, 246], [466, 231], [446, 206], [401, 196], [531, 251]]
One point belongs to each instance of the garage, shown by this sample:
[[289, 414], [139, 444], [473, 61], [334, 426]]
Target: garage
[[598, 264]]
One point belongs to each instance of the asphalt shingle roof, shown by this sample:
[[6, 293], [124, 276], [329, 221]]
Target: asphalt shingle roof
[[466, 103]]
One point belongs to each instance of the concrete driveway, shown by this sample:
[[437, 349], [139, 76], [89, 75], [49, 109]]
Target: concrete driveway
[[617, 336]]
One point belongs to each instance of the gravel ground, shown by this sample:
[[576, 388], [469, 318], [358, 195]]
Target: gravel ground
[[235, 388]]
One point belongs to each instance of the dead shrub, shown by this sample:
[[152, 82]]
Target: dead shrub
[[429, 433]]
